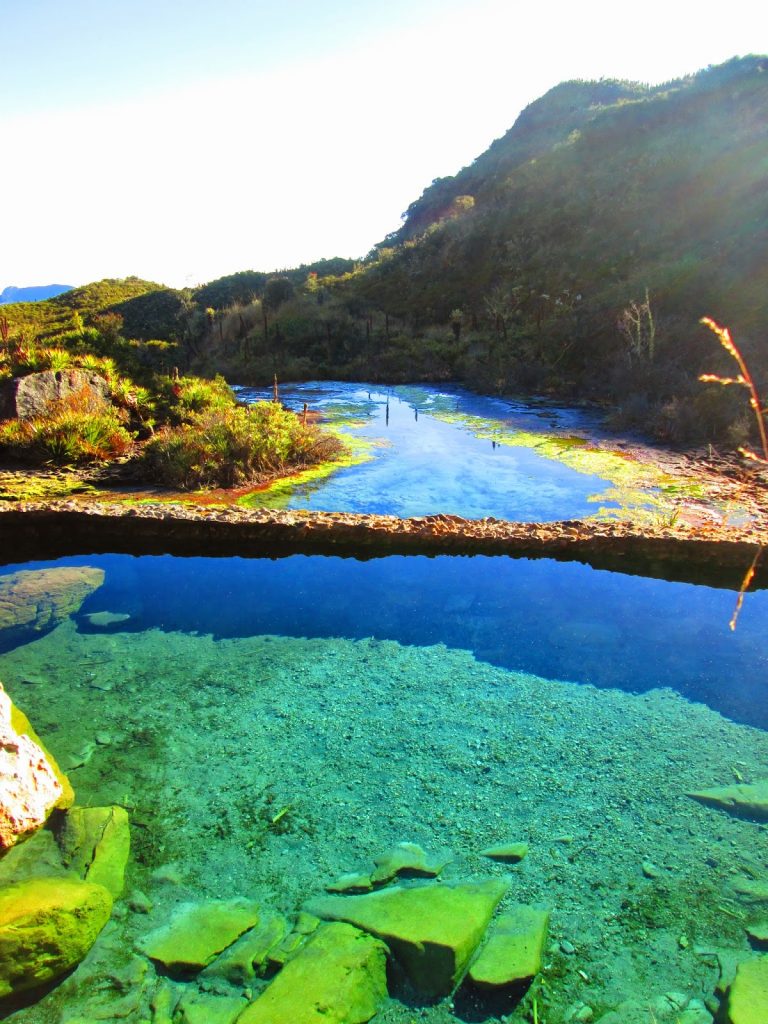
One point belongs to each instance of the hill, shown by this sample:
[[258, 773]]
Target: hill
[[34, 294], [575, 257]]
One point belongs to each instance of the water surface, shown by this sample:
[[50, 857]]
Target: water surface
[[422, 460], [273, 724]]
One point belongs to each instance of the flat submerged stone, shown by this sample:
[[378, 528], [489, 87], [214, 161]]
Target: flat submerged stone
[[744, 800], [198, 932], [406, 860], [748, 994], [95, 842], [514, 949], [507, 853], [339, 977], [432, 930]]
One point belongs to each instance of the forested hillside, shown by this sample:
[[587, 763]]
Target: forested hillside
[[575, 256]]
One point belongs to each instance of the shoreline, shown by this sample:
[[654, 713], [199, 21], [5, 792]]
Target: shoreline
[[712, 555]]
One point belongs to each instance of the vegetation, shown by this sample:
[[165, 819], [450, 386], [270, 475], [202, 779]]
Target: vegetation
[[574, 257], [229, 447]]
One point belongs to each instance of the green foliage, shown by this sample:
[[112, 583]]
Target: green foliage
[[228, 447], [74, 431]]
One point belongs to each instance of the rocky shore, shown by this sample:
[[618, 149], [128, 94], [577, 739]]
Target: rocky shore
[[714, 555]]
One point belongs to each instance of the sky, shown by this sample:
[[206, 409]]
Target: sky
[[181, 140]]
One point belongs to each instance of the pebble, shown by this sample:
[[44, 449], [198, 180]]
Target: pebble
[[567, 947], [103, 739], [650, 870], [139, 902]]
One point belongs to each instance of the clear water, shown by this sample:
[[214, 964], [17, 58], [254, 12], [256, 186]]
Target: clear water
[[421, 465], [453, 702]]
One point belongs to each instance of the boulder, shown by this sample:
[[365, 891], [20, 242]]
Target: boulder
[[47, 925], [747, 1001], [95, 842], [35, 601], [29, 785], [513, 952], [23, 726], [197, 933], [432, 930], [33, 395], [339, 977], [743, 800]]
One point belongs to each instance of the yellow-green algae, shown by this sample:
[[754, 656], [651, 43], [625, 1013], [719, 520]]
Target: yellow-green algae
[[634, 481]]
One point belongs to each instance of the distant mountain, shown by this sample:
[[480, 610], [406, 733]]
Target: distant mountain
[[34, 294]]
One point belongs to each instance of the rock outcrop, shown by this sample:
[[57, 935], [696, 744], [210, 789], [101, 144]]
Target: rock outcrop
[[339, 977], [34, 394], [34, 601], [31, 783], [47, 925]]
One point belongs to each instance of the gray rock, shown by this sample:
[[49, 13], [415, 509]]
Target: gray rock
[[33, 395]]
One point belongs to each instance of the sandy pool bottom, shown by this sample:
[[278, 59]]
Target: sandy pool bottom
[[268, 766]]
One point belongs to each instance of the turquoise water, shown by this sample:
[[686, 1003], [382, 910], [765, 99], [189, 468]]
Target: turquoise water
[[422, 465], [272, 724]]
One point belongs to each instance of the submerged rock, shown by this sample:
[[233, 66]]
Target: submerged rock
[[339, 977], [95, 842], [747, 1001], [47, 925], [242, 961], [433, 930], [204, 1008], [406, 860], [507, 853], [31, 783], [744, 800], [198, 932], [105, 619], [34, 601], [514, 949], [351, 883]]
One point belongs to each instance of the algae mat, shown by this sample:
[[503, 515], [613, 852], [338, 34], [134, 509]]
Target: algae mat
[[265, 767]]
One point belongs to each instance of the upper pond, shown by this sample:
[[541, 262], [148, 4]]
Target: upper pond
[[421, 450]]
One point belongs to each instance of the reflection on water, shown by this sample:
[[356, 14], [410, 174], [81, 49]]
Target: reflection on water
[[361, 704], [429, 463]]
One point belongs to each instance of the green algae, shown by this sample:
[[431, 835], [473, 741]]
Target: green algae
[[38, 485]]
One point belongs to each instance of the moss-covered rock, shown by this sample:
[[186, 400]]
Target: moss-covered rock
[[34, 601], [47, 925], [748, 995], [744, 800], [95, 842], [208, 1008], [339, 977], [433, 930], [513, 952], [197, 933]]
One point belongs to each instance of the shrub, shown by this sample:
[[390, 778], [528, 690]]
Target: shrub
[[73, 431], [227, 447]]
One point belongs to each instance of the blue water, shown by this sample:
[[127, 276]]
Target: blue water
[[557, 620], [423, 466]]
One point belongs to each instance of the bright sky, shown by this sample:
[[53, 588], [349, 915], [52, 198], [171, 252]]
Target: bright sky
[[180, 140]]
